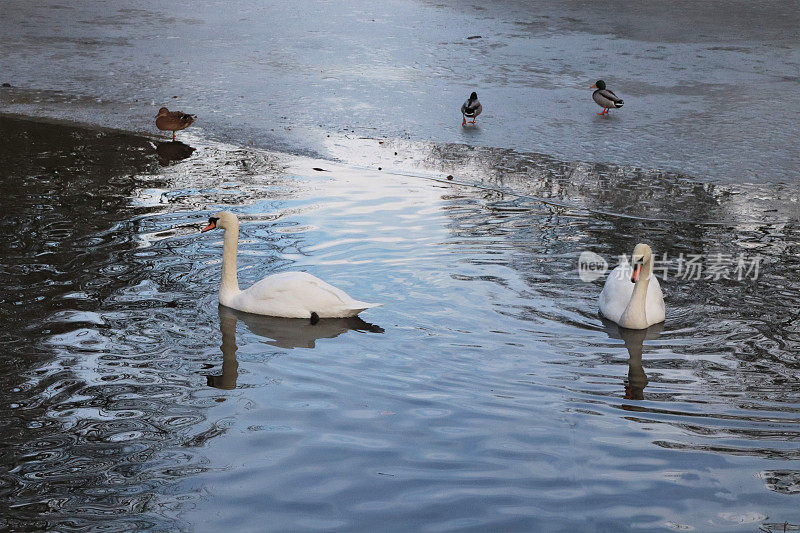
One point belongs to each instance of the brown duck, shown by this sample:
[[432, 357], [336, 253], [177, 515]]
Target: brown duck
[[173, 120]]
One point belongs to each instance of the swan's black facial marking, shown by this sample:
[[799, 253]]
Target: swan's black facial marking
[[314, 317], [212, 224], [637, 269]]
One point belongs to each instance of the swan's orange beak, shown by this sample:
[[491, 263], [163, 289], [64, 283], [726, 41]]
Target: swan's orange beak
[[636, 270], [208, 228], [593, 86]]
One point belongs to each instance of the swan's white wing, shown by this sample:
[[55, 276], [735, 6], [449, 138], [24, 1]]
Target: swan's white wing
[[617, 292], [297, 295]]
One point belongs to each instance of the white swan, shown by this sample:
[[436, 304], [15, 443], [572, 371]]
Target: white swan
[[288, 294], [632, 297]]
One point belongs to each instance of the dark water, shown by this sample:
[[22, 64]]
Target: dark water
[[486, 394]]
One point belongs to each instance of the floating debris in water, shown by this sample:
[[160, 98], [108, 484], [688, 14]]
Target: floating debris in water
[[474, 37]]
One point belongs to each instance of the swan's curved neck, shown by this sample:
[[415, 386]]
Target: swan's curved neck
[[230, 281], [634, 315]]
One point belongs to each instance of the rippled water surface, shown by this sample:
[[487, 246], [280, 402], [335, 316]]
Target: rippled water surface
[[485, 394]]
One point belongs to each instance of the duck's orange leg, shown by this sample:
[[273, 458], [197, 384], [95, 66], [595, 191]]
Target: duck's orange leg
[[173, 135], [463, 120]]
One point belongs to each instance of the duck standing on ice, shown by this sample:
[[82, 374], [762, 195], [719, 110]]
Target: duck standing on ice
[[167, 120], [605, 98], [471, 108]]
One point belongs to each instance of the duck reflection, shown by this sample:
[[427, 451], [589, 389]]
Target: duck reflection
[[169, 152], [634, 341], [282, 332]]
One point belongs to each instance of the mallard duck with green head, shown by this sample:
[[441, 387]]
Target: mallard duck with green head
[[605, 98], [471, 108]]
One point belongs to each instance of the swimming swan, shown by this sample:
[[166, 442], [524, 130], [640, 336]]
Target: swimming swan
[[287, 294], [632, 297]]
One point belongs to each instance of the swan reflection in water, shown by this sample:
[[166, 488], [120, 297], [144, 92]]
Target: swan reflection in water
[[634, 340], [282, 332], [172, 151]]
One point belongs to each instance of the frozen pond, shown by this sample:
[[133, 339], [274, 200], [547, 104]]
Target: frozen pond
[[711, 89]]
